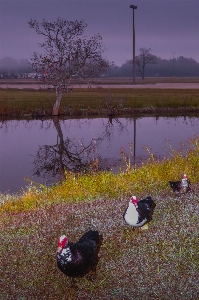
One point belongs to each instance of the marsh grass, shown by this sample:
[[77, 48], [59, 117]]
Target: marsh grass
[[84, 102], [159, 263]]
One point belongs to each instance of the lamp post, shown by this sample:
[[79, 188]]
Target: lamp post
[[173, 63], [133, 7]]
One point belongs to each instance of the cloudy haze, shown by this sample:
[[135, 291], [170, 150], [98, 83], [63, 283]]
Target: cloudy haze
[[169, 27]]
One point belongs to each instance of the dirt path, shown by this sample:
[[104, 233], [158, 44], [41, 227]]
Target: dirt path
[[108, 86]]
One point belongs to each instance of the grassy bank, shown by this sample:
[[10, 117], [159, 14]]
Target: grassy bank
[[150, 177], [158, 263], [86, 102]]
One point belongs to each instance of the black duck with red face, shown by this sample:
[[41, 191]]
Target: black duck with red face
[[80, 258]]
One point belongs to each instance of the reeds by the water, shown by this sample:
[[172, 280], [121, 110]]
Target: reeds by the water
[[149, 178]]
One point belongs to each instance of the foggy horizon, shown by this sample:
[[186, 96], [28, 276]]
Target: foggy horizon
[[169, 28]]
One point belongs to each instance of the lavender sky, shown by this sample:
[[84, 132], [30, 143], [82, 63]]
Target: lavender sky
[[169, 27]]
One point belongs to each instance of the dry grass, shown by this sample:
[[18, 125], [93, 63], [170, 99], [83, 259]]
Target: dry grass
[[159, 263]]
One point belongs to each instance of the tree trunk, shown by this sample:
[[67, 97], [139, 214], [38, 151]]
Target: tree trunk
[[60, 144], [56, 106], [59, 131], [143, 67]]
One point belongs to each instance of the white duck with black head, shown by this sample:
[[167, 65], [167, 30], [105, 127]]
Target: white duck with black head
[[140, 212]]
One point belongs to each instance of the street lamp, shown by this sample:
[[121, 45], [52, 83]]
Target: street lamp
[[133, 7], [173, 63]]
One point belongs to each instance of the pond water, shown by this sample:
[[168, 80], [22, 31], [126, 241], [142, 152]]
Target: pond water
[[40, 150]]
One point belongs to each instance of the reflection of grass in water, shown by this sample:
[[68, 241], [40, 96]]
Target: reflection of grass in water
[[93, 101], [158, 263]]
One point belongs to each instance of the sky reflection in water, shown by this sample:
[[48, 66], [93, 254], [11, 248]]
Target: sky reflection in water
[[42, 147]]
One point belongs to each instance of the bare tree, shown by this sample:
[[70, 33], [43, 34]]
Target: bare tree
[[67, 53], [144, 58]]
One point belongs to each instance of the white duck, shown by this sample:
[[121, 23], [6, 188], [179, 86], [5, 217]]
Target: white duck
[[139, 212]]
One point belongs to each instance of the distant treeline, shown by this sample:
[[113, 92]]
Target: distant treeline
[[178, 67], [11, 68]]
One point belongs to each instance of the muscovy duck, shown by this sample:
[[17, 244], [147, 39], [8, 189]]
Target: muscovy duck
[[139, 212], [80, 258], [182, 186]]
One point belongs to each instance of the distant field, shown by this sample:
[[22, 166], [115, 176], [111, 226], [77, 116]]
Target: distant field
[[114, 100], [118, 80], [19, 103]]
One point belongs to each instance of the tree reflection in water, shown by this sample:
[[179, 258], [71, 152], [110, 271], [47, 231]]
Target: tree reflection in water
[[109, 126], [71, 155], [65, 155]]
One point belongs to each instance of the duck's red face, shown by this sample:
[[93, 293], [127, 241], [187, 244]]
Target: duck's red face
[[134, 200], [62, 241]]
